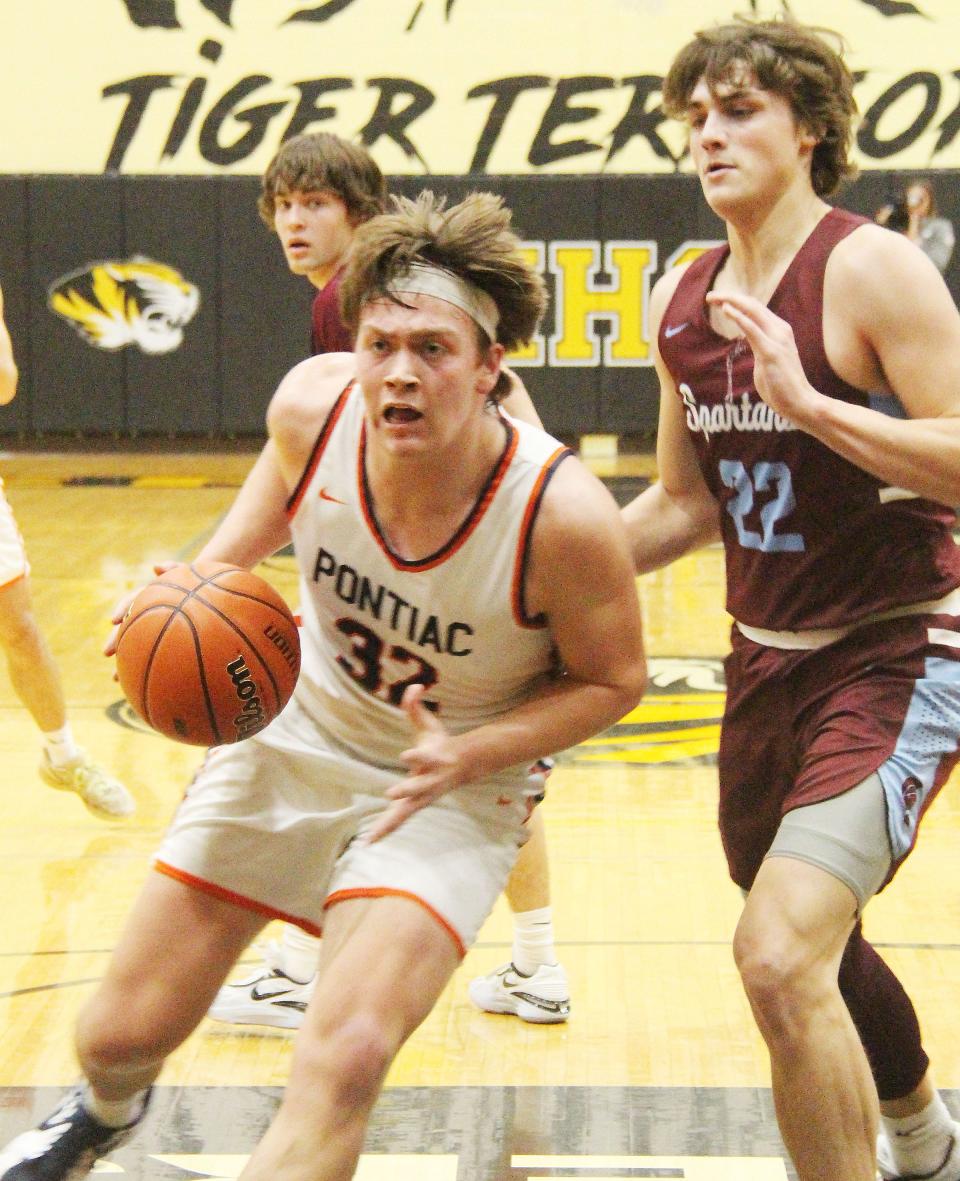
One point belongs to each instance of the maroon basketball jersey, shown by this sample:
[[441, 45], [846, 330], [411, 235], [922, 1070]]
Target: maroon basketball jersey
[[329, 334], [811, 540]]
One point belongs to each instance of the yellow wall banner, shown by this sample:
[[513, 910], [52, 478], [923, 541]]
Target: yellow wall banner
[[430, 86]]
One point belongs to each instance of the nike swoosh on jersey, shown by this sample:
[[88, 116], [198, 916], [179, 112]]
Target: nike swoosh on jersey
[[675, 329], [325, 495]]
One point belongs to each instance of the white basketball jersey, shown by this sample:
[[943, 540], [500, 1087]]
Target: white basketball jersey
[[455, 622]]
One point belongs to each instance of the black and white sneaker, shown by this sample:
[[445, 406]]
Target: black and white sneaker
[[543, 998], [268, 996], [65, 1147]]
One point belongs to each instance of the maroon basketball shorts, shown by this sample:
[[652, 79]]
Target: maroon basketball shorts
[[805, 726]]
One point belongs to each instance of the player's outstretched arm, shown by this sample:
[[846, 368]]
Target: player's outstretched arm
[[256, 525], [245, 536], [898, 331], [9, 373], [580, 577]]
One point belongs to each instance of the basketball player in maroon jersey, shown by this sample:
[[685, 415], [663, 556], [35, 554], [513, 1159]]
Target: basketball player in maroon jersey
[[843, 709], [315, 192]]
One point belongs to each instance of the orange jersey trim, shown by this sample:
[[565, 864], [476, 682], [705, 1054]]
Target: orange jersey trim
[[16, 578], [386, 892], [518, 589], [270, 912], [459, 538], [297, 495]]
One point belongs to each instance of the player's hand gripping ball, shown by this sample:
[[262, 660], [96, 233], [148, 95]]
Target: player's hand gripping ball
[[208, 653]]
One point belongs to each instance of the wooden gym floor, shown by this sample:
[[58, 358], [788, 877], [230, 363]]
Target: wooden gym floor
[[659, 1072]]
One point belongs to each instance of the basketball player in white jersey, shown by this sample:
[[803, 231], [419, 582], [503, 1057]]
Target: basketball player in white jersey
[[469, 606], [33, 671], [315, 192]]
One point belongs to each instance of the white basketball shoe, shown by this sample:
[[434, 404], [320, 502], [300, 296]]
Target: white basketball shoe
[[103, 795], [266, 997], [949, 1169], [543, 998]]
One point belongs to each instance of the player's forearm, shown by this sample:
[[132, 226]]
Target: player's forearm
[[663, 527], [239, 547], [565, 713], [255, 525], [921, 455]]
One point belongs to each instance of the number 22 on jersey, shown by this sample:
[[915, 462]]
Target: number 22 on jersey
[[766, 476]]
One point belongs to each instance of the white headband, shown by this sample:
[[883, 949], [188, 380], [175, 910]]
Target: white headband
[[426, 279]]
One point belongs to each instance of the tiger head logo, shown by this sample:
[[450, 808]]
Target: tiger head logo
[[136, 301]]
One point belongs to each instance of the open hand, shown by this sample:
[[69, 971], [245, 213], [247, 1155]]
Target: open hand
[[122, 609], [433, 766], [778, 374]]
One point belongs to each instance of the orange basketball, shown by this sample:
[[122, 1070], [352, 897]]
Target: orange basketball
[[208, 653]]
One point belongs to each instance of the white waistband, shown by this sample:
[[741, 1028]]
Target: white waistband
[[820, 637]]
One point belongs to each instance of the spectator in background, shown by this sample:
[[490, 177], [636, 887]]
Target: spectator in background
[[894, 215], [934, 235]]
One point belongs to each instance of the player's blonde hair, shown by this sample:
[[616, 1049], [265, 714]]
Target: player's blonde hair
[[473, 239], [792, 60]]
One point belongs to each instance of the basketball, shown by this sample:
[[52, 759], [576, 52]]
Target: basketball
[[208, 653]]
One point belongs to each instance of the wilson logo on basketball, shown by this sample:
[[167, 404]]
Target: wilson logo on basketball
[[252, 718]]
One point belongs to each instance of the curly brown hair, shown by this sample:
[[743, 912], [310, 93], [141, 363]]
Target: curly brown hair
[[319, 161], [792, 60], [473, 239]]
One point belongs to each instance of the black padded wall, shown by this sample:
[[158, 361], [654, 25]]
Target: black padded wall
[[213, 377]]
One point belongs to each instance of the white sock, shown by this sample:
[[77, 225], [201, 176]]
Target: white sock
[[299, 954], [533, 940], [919, 1143], [114, 1113], [60, 745]]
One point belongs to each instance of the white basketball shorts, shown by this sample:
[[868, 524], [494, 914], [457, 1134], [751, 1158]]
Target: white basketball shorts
[[271, 823], [13, 555]]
